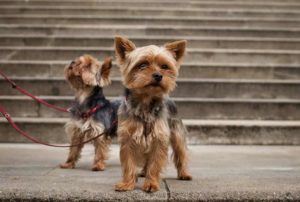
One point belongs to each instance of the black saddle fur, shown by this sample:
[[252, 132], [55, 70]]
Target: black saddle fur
[[107, 114]]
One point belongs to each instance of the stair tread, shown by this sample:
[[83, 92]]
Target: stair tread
[[213, 50], [86, 7], [208, 38], [177, 99], [174, 27], [192, 80], [139, 26], [240, 65], [190, 122], [181, 18]]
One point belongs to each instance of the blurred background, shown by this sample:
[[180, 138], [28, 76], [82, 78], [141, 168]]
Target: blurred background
[[239, 82]]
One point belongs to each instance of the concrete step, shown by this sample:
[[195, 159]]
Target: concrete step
[[193, 42], [193, 55], [149, 30], [169, 4], [148, 11], [188, 108], [45, 69], [245, 132], [174, 1], [117, 2], [197, 88], [149, 20]]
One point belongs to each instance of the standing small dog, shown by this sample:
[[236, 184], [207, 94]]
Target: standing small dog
[[92, 114], [146, 118]]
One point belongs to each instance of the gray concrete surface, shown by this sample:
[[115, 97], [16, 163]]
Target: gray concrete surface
[[46, 69], [201, 132], [30, 172], [188, 108]]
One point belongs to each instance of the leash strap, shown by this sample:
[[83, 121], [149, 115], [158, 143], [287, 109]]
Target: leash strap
[[23, 91], [32, 139]]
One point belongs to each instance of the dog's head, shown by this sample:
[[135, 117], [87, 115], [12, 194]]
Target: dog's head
[[86, 71], [150, 69]]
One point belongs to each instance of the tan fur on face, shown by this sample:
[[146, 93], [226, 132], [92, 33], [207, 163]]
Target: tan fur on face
[[130, 57], [142, 79], [86, 71]]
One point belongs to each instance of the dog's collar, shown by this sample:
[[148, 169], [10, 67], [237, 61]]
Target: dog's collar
[[155, 110], [90, 112], [78, 108]]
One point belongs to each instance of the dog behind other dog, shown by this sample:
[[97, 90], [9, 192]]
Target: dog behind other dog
[[87, 77]]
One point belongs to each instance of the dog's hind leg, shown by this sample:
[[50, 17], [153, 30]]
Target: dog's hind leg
[[178, 143]]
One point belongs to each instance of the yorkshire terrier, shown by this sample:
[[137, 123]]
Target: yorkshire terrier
[[91, 113], [147, 121]]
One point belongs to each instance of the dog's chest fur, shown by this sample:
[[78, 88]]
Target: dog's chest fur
[[150, 121]]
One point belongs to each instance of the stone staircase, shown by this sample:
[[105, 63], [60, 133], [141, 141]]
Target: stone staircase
[[239, 84]]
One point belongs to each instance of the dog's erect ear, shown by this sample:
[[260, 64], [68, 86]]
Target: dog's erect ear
[[177, 48], [122, 47], [105, 71]]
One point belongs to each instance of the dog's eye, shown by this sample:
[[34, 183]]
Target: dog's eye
[[143, 65], [165, 67]]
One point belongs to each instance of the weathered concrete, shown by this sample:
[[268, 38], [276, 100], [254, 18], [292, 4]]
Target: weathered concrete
[[46, 69], [170, 4], [193, 42], [200, 88], [151, 20], [201, 132], [148, 30], [193, 55], [188, 108], [30, 172], [146, 11]]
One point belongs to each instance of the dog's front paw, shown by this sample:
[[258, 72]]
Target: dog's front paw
[[98, 167], [185, 176], [150, 186], [67, 165], [124, 186]]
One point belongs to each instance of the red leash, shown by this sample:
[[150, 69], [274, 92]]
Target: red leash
[[85, 115], [25, 92], [14, 125]]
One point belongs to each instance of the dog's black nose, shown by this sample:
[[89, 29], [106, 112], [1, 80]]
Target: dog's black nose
[[157, 77]]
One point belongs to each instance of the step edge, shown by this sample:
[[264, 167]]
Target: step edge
[[187, 122], [176, 99]]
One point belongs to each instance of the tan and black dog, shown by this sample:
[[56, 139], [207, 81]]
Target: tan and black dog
[[87, 76], [147, 122]]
